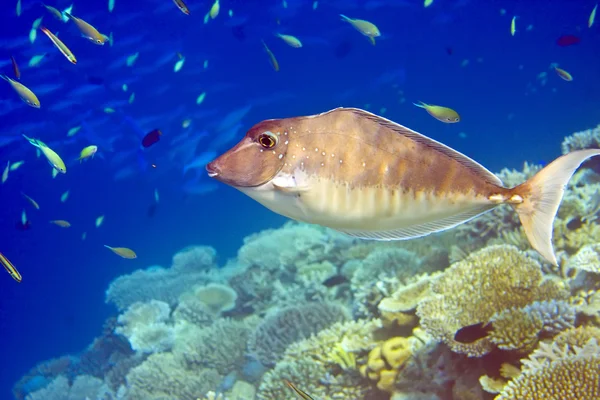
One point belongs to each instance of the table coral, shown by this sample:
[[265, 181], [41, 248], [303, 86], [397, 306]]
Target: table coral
[[144, 325], [473, 290], [558, 373]]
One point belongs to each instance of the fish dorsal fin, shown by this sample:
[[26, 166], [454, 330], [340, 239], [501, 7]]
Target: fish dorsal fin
[[424, 229], [478, 169]]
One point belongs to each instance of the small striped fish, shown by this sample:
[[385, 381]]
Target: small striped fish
[[299, 392], [12, 271], [369, 177]]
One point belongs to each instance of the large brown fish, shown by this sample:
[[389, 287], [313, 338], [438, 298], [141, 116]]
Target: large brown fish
[[369, 177]]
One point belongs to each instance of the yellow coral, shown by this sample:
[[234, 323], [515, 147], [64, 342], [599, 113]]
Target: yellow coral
[[343, 358], [586, 259], [559, 374], [475, 289], [516, 329], [387, 360]]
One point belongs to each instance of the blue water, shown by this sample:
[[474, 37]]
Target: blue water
[[59, 307]]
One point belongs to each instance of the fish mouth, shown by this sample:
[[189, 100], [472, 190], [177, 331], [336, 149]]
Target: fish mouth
[[211, 170]]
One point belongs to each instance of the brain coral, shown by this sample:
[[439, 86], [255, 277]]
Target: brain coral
[[473, 290], [285, 326], [558, 373]]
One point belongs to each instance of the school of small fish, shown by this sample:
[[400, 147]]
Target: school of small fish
[[31, 57]]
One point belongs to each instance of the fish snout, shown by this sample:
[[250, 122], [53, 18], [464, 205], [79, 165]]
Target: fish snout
[[213, 169]]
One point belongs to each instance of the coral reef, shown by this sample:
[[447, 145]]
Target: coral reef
[[475, 290], [469, 314], [191, 266]]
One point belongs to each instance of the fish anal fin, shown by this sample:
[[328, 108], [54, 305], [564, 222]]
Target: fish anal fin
[[424, 229]]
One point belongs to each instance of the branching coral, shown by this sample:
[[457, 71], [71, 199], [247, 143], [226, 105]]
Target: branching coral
[[310, 365], [220, 346], [164, 377], [588, 139], [84, 386], [283, 327], [190, 267], [555, 372], [473, 290]]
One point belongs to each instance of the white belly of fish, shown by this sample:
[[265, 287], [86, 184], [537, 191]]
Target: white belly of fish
[[369, 212]]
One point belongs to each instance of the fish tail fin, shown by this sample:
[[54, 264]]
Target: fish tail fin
[[537, 200], [344, 18], [420, 104], [4, 77]]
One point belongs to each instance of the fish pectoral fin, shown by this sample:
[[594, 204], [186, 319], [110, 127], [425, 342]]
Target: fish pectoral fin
[[424, 229], [287, 184]]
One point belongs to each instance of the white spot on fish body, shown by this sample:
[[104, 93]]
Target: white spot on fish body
[[316, 149], [280, 156], [286, 142], [323, 153]]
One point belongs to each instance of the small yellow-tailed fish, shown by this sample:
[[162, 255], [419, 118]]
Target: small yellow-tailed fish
[[34, 28], [32, 201], [563, 74], [64, 196], [592, 16], [123, 252], [61, 222], [272, 58], [182, 6], [24, 220], [23, 91], [513, 26], [5, 173], [36, 60], [440, 113], [427, 3], [367, 28], [73, 131], [111, 5], [53, 159], [132, 59], [60, 45], [201, 98], [19, 8], [214, 10], [55, 13], [290, 40], [87, 152], [16, 165], [99, 221], [179, 64], [16, 70], [10, 268], [301, 394], [88, 31]]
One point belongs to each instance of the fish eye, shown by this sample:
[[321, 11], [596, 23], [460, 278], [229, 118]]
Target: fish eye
[[267, 140]]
